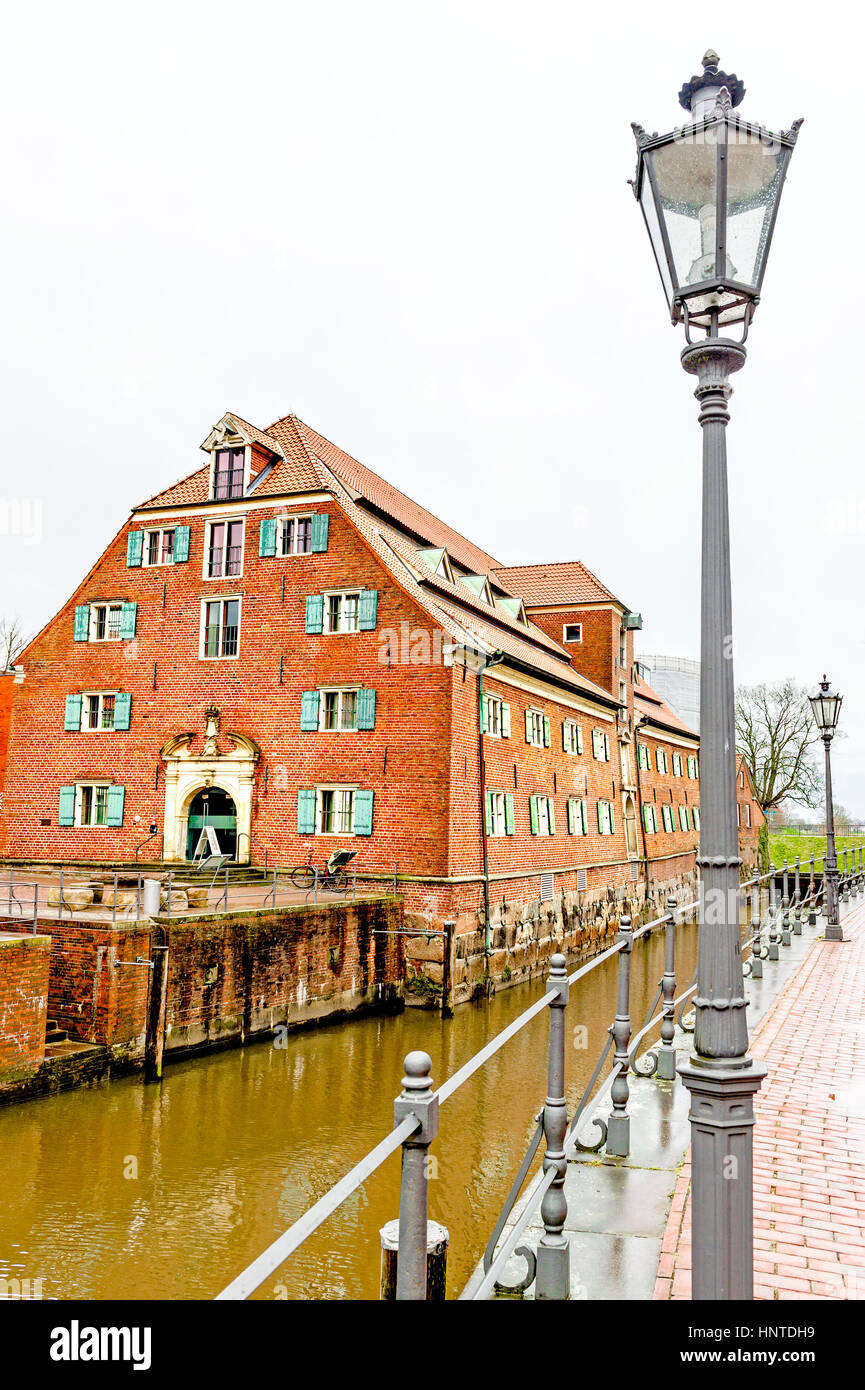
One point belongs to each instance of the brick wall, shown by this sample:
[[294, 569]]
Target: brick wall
[[233, 977], [7, 686], [23, 1002]]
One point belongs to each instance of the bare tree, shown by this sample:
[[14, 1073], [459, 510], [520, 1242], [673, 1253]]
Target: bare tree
[[776, 733], [13, 640]]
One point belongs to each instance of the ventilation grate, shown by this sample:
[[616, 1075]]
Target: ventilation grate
[[582, 878], [635, 871], [547, 887]]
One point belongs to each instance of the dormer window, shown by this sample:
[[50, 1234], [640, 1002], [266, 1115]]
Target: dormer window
[[438, 561], [228, 471], [480, 587]]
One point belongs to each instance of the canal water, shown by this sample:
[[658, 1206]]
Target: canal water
[[128, 1191]]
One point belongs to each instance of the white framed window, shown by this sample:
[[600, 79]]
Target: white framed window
[[499, 821], [223, 549], [497, 717], [683, 818], [97, 710], [158, 547], [667, 817], [294, 536], [644, 759], [105, 622], [650, 819], [695, 817], [606, 818], [623, 648], [542, 815], [661, 760], [338, 709], [677, 765], [739, 813], [229, 473], [334, 810], [341, 611], [537, 728], [578, 816], [748, 814], [91, 803], [601, 745], [220, 628], [572, 632], [572, 736]]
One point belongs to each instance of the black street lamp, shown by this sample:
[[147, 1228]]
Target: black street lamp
[[826, 706], [709, 194]]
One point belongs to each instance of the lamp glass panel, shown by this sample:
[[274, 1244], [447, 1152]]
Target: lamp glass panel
[[686, 176], [650, 212], [754, 171]]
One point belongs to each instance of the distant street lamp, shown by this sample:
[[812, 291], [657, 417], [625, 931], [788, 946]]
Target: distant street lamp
[[709, 194], [826, 706]]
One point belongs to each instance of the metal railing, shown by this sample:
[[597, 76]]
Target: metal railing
[[416, 1108]]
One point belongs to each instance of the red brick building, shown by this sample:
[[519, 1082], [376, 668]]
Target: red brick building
[[290, 650]]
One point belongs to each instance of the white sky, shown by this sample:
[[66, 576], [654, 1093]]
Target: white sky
[[411, 225]]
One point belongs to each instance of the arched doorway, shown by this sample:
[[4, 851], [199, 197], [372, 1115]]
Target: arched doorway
[[212, 807]]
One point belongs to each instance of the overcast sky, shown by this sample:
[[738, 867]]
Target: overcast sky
[[411, 224]]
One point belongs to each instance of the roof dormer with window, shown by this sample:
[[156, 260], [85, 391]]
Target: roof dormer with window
[[241, 456]]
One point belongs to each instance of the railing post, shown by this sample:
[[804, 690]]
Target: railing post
[[861, 881], [417, 1099], [812, 910], [773, 923], [619, 1123], [553, 1267], [785, 921], [35, 906], [756, 944], [666, 1069], [797, 891]]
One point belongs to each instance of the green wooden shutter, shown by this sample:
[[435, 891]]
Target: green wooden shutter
[[367, 610], [116, 799], [128, 619], [572, 816], [267, 536], [579, 739], [66, 806], [484, 714], [365, 708], [315, 613], [509, 813], [551, 815], [306, 810], [584, 817], [611, 818], [488, 805], [72, 717], [122, 710], [180, 551], [82, 622], [363, 802], [533, 815], [600, 818], [546, 732], [134, 548], [528, 726], [318, 531], [606, 748], [309, 703], [506, 719]]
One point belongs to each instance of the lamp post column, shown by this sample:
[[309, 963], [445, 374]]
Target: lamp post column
[[830, 867], [719, 1075]]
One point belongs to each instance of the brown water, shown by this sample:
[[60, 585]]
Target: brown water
[[235, 1146]]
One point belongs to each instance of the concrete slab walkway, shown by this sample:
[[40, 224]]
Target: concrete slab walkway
[[809, 1139]]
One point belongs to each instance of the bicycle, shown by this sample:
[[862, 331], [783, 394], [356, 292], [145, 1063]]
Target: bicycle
[[332, 878]]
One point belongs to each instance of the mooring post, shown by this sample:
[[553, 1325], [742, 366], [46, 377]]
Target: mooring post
[[553, 1268], [154, 1042], [619, 1123], [797, 901], [436, 1261], [449, 927], [417, 1098], [666, 1070], [114, 902]]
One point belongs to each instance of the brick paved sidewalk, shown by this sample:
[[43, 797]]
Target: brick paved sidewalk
[[809, 1139]]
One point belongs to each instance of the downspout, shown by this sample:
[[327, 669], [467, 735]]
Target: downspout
[[637, 726], [493, 659]]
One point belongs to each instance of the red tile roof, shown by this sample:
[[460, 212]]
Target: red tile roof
[[388, 499], [565, 582]]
